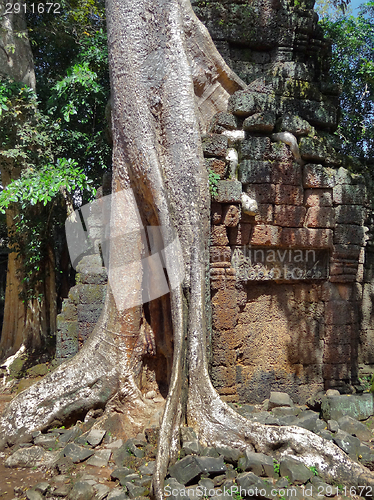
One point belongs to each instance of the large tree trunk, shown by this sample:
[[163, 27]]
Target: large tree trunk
[[25, 322], [159, 55]]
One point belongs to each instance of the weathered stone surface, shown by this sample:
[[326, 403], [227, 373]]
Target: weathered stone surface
[[254, 148], [296, 471], [317, 149], [95, 436], [355, 406], [349, 234], [136, 491], [122, 473], [101, 491], [41, 487], [260, 122], [332, 425], [100, 458], [117, 494], [258, 463], [350, 214], [307, 238], [265, 235], [225, 120], [218, 235], [323, 217], [192, 447], [289, 215], [262, 193], [70, 435], [81, 491], [294, 124], [254, 172], [210, 452], [230, 455], [228, 192], [317, 176], [33, 495], [240, 235], [288, 195], [284, 173], [347, 194], [38, 370], [77, 453], [46, 440], [215, 145], [355, 428], [348, 443], [217, 166], [148, 469], [308, 420], [242, 104], [191, 467], [249, 481], [318, 198], [279, 399], [26, 457], [231, 215]]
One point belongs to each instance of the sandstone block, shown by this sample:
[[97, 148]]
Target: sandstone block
[[254, 172], [294, 124], [220, 254], [242, 104], [339, 371], [231, 215], [225, 120], [262, 193], [320, 217], [217, 166], [254, 148], [228, 192], [240, 235], [265, 235], [265, 214], [218, 235], [348, 234], [289, 215], [305, 237], [286, 173], [215, 145], [340, 312], [337, 353], [318, 198], [223, 376], [346, 252], [260, 122], [350, 214], [288, 195], [216, 213], [348, 194], [317, 176]]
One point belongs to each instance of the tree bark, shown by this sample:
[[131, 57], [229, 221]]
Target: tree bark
[[160, 56]]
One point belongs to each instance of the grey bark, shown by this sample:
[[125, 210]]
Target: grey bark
[[159, 54]]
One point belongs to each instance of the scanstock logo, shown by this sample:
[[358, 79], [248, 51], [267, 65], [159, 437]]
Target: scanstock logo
[[135, 257]]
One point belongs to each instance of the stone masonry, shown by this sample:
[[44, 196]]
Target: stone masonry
[[280, 322]]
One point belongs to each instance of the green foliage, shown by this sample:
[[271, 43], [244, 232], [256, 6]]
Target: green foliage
[[213, 182], [276, 465], [353, 68], [314, 469], [41, 185]]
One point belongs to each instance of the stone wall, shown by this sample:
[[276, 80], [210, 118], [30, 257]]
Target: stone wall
[[280, 325]]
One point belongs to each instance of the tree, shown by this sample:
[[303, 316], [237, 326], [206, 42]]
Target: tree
[[160, 55], [36, 137], [353, 68], [16, 62]]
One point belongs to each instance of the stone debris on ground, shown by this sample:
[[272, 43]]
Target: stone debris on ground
[[83, 463]]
